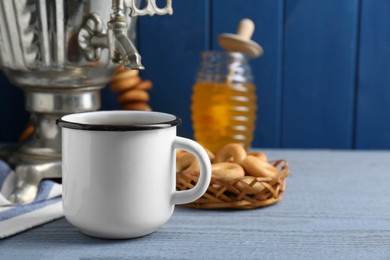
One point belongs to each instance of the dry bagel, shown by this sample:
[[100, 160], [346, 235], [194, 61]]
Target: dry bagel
[[144, 85], [179, 152], [124, 84], [230, 153], [260, 155], [189, 161], [136, 105], [227, 170], [259, 168], [122, 73], [134, 95], [184, 160], [194, 166]]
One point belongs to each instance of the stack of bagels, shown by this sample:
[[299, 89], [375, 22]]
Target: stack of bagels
[[132, 90]]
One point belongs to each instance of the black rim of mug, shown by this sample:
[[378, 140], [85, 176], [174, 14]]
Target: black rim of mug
[[106, 127]]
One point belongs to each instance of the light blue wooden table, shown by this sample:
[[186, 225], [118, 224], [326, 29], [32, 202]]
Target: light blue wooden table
[[336, 206]]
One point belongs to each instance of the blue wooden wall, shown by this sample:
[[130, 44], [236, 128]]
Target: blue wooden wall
[[323, 82]]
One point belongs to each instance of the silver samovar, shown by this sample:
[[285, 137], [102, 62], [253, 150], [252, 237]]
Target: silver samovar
[[62, 53]]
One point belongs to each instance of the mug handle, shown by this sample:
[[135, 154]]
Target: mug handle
[[187, 196]]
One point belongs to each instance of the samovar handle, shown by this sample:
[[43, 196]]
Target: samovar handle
[[92, 36], [150, 8]]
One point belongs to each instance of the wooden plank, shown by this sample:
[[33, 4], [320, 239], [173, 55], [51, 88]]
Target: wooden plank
[[13, 116], [268, 18], [319, 73], [170, 47], [327, 213], [373, 102]]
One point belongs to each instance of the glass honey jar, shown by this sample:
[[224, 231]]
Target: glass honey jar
[[224, 102]]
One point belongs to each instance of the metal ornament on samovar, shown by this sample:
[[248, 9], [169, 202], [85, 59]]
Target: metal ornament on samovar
[[62, 53]]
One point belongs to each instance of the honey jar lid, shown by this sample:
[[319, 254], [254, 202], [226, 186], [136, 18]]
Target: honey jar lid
[[241, 41]]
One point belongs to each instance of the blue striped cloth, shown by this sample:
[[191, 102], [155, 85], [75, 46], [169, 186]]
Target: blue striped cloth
[[46, 207]]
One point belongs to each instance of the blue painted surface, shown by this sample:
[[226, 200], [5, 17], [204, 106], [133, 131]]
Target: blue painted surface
[[319, 73], [322, 82], [373, 100], [13, 116]]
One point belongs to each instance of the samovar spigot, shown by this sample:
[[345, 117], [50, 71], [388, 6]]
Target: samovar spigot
[[125, 51]]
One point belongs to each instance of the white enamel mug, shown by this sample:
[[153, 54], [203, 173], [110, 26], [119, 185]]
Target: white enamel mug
[[118, 170]]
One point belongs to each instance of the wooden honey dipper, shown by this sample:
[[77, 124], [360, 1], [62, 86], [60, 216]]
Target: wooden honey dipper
[[132, 90], [241, 42]]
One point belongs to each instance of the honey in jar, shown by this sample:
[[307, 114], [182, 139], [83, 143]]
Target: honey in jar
[[224, 100]]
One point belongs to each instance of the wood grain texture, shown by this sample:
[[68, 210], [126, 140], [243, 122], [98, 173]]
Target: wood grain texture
[[170, 48], [373, 104], [336, 206], [267, 70], [320, 47]]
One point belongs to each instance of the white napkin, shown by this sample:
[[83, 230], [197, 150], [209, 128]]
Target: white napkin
[[46, 207]]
